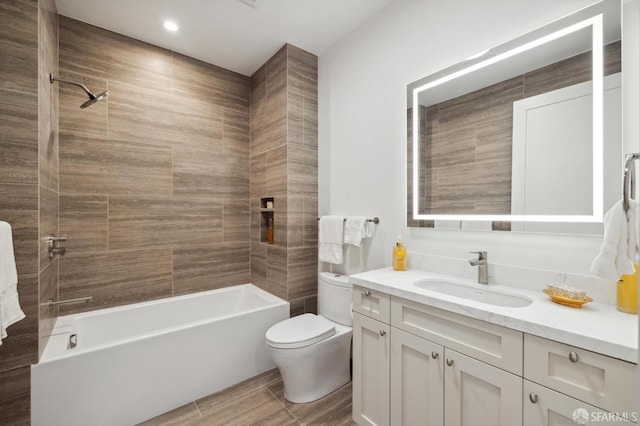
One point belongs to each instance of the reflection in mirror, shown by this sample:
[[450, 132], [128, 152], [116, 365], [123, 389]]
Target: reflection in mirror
[[514, 137]]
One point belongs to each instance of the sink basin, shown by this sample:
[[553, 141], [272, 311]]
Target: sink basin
[[476, 293]]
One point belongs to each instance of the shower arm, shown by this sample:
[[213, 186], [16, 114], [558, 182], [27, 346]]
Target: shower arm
[[53, 79]]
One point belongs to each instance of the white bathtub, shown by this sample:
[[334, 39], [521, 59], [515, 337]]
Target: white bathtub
[[135, 362]]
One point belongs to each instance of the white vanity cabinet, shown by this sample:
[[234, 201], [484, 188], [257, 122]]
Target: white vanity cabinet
[[427, 382], [371, 346], [414, 364]]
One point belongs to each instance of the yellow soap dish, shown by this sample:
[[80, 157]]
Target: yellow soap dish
[[573, 303]]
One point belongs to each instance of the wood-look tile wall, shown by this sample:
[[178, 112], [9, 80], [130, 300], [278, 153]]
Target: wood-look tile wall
[[154, 181], [468, 139], [28, 184], [284, 165]]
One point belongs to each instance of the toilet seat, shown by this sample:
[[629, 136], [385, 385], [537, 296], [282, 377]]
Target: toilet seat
[[300, 331]]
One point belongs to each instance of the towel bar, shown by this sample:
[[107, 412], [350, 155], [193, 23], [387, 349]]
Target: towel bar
[[629, 183], [64, 302], [375, 220]]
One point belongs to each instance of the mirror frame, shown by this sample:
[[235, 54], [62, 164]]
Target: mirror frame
[[592, 16]]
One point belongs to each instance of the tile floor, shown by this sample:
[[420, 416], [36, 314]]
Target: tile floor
[[260, 401]]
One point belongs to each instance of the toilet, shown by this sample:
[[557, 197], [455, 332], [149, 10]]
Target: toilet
[[313, 351]]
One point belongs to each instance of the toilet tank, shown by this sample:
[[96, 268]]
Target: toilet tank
[[334, 297]]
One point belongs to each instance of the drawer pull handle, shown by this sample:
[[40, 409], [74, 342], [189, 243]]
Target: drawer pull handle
[[449, 362], [533, 397], [434, 354], [573, 357], [367, 293], [382, 332]]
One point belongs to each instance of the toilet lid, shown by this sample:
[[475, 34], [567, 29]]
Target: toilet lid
[[303, 330]]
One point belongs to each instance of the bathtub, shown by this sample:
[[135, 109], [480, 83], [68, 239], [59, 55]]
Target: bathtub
[[135, 362]]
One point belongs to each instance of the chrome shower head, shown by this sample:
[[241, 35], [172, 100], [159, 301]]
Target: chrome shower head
[[92, 98]]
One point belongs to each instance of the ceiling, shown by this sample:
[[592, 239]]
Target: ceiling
[[239, 35]]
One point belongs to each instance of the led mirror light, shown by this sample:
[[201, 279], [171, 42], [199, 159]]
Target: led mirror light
[[171, 26], [596, 24]]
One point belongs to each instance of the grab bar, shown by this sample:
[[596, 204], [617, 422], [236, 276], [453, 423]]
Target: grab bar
[[65, 302], [629, 183]]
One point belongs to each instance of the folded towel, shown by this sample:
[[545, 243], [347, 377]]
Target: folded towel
[[10, 311], [354, 230], [615, 256], [330, 239]]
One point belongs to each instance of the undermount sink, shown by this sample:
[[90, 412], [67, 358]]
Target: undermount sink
[[475, 293]]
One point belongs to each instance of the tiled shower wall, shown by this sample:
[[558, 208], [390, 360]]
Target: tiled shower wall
[[154, 181], [28, 184], [469, 139], [284, 165]]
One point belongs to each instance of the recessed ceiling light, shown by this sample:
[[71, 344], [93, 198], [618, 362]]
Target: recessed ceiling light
[[171, 26]]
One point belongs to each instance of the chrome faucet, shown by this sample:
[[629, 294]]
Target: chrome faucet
[[483, 266]]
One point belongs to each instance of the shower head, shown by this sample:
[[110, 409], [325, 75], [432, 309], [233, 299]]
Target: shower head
[[92, 98]]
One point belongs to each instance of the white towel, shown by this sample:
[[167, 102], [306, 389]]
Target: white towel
[[354, 230], [10, 311], [616, 253], [634, 229], [330, 239], [369, 229]]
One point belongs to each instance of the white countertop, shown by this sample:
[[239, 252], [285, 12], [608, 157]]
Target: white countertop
[[596, 327]]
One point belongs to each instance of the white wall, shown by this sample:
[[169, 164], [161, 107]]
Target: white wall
[[362, 119]]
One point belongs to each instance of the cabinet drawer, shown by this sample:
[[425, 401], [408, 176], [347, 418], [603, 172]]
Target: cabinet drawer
[[495, 345], [545, 407], [371, 303], [599, 380]]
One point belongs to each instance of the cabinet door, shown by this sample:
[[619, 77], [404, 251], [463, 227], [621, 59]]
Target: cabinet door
[[416, 380], [545, 407], [370, 371], [478, 394]]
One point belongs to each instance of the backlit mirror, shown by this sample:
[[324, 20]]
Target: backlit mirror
[[523, 137]]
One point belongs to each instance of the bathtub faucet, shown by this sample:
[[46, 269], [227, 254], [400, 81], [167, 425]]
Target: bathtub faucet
[[483, 266]]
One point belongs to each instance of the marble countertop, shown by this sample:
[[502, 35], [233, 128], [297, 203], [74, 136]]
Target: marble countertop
[[596, 327]]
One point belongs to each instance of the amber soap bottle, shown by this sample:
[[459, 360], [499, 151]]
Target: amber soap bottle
[[399, 256]]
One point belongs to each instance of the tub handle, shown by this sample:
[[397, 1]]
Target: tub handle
[[73, 341]]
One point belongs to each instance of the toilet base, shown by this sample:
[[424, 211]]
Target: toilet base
[[312, 372]]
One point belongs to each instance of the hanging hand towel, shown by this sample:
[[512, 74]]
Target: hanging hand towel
[[354, 230], [369, 229], [614, 258], [634, 239], [330, 239], [10, 311]]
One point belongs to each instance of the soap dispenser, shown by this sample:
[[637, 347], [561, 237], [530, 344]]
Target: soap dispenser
[[399, 256]]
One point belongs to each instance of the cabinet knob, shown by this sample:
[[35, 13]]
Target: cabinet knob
[[533, 397], [367, 293], [382, 332], [434, 354], [449, 362], [573, 357]]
